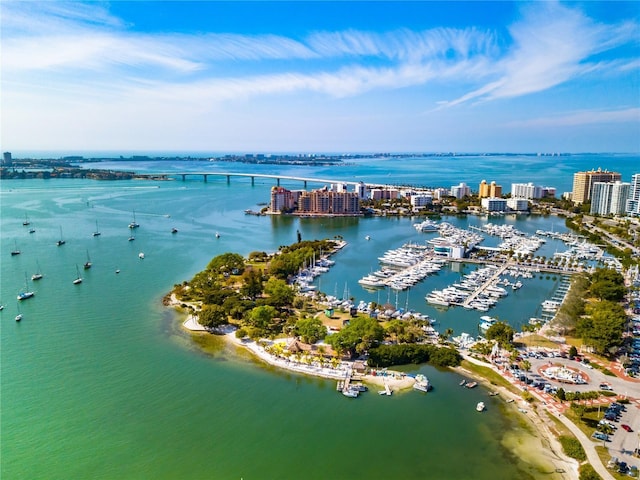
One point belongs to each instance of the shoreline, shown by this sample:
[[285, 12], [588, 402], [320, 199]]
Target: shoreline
[[536, 445]]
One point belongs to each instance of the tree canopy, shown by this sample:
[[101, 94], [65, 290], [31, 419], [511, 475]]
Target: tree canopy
[[310, 330], [501, 332], [212, 316], [603, 327], [227, 263], [359, 336]]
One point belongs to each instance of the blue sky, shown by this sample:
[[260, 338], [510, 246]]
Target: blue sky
[[321, 76]]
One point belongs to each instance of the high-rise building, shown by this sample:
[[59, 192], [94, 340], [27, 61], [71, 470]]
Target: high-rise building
[[609, 198], [527, 190], [633, 202], [6, 158], [460, 191], [323, 201], [583, 183], [489, 190]]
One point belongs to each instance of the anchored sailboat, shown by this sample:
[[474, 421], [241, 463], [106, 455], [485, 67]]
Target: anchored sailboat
[[26, 293], [88, 264], [78, 277], [133, 224], [38, 275], [97, 232], [15, 251], [61, 241], [19, 315]]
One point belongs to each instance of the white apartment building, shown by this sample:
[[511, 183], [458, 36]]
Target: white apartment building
[[633, 201], [609, 198], [460, 191], [494, 204], [518, 204]]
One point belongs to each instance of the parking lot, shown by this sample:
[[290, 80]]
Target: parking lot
[[622, 438]]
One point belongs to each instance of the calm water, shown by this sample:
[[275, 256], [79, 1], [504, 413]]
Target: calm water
[[99, 381]]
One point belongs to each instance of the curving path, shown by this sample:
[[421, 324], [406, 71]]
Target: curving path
[[588, 445]]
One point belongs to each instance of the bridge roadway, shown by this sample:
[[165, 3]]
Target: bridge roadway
[[165, 175]]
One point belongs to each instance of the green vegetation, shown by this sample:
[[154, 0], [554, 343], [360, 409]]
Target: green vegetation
[[358, 337], [501, 332], [602, 329], [389, 355], [587, 472], [571, 446]]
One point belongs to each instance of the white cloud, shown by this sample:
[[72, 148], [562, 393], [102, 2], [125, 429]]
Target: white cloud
[[583, 117]]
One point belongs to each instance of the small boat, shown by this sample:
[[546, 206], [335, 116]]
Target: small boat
[[141, 255], [422, 383], [15, 250], [32, 230], [117, 270], [134, 224], [367, 237], [471, 385], [38, 275], [61, 241], [1, 307], [78, 277], [351, 393], [493, 394], [480, 407], [217, 235], [462, 382], [26, 293], [97, 232], [88, 264], [131, 238], [174, 230]]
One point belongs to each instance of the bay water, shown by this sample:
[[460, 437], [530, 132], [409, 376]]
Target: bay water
[[99, 380]]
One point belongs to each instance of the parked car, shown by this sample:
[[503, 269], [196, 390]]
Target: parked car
[[626, 427], [600, 436]]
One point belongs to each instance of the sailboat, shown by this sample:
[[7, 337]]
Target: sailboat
[[19, 315], [78, 277], [61, 241], [26, 293], [15, 251], [132, 238], [26, 220], [133, 224], [97, 232], [38, 275], [88, 264]]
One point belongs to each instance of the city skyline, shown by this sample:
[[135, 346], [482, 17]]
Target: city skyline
[[321, 77]]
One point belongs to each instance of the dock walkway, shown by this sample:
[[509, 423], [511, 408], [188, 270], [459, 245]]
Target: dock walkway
[[490, 281]]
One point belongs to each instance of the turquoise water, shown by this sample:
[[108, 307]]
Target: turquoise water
[[99, 381]]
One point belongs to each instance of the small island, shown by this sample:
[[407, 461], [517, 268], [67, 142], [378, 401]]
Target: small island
[[264, 304]]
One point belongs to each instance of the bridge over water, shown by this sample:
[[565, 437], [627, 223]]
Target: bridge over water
[[253, 176]]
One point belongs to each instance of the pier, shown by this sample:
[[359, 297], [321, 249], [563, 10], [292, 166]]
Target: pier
[[499, 271]]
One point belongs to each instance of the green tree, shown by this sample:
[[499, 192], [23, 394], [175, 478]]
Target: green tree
[[212, 316], [280, 294], [251, 283], [603, 327], [227, 263], [525, 365], [310, 330], [357, 337], [573, 351], [261, 317], [501, 332]]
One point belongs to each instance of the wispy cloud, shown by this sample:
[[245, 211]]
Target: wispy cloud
[[550, 45], [583, 117]]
